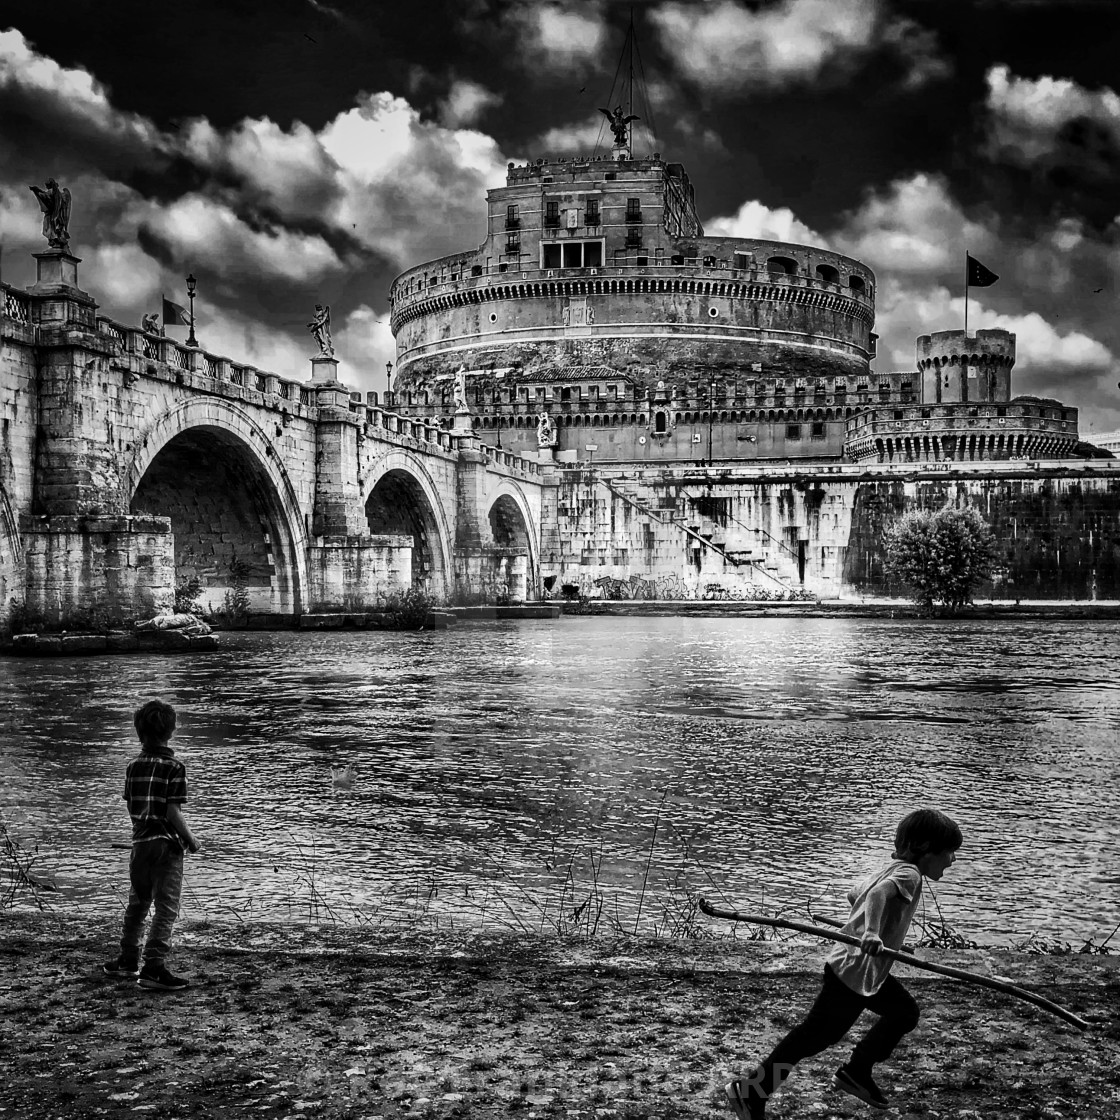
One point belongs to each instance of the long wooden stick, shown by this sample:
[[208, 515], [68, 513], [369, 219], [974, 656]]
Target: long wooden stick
[[905, 958]]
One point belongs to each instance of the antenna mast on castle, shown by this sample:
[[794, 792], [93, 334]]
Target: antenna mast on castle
[[620, 120]]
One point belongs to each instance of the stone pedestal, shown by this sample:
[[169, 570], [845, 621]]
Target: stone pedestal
[[56, 268], [324, 369], [463, 424]]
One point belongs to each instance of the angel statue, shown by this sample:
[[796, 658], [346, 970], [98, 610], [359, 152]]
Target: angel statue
[[320, 327], [461, 390], [150, 324], [546, 430], [54, 201], [619, 122]]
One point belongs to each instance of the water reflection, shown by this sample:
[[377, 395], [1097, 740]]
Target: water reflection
[[507, 768]]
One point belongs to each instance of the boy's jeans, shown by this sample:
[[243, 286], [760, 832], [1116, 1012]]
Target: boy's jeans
[[155, 872]]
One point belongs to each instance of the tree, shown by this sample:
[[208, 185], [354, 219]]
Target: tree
[[941, 556]]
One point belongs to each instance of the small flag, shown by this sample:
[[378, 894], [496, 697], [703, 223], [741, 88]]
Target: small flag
[[174, 315], [978, 275]]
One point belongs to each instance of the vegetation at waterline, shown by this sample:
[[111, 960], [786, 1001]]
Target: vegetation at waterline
[[940, 556]]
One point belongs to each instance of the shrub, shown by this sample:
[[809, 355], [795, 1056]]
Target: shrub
[[940, 556], [407, 610], [235, 602], [186, 596]]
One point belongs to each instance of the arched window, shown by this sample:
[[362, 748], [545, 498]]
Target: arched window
[[781, 266], [828, 274], [660, 424], [856, 283]]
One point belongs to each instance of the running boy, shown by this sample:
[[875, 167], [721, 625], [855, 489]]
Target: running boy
[[155, 786], [856, 978]]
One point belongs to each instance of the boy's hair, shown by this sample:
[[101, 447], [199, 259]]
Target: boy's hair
[[924, 831], [154, 722]]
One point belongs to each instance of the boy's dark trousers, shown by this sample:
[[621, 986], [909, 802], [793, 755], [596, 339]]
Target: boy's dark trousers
[[155, 873], [830, 1018]]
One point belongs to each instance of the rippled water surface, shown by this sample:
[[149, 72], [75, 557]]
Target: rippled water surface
[[508, 771]]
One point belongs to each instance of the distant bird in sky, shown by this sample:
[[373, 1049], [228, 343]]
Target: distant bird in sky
[[1095, 290], [306, 36]]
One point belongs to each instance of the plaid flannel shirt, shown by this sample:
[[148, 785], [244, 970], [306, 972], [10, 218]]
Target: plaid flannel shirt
[[154, 780]]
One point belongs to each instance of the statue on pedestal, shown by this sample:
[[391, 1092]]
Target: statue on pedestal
[[618, 122], [150, 323], [54, 201], [320, 328], [546, 430], [461, 390]]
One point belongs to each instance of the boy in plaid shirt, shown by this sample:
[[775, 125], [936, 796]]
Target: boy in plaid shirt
[[155, 787]]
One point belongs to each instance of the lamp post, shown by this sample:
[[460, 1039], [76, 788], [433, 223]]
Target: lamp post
[[192, 283], [388, 380]]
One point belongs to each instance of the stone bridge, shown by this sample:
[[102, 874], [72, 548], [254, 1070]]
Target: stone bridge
[[130, 464]]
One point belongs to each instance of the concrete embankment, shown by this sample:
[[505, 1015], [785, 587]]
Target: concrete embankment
[[285, 1021]]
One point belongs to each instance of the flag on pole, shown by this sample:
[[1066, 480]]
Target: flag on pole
[[978, 275], [174, 315]]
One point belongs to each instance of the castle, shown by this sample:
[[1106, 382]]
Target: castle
[[597, 300]]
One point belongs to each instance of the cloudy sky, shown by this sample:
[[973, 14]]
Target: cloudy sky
[[303, 151]]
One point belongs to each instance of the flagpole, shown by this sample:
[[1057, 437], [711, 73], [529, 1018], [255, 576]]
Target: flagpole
[[966, 293]]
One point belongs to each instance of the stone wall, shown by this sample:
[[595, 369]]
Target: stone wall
[[97, 569], [736, 532]]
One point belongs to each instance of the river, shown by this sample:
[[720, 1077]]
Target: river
[[508, 772]]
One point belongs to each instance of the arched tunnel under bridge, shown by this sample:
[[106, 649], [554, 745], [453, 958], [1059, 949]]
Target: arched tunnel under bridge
[[398, 504], [512, 575], [231, 530]]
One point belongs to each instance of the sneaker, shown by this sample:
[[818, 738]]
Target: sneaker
[[860, 1085], [157, 977], [745, 1103], [118, 967]]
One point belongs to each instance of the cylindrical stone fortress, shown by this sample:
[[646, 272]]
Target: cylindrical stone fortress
[[600, 268]]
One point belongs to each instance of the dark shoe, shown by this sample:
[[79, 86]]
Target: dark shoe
[[860, 1085], [745, 1100], [157, 977], [118, 967]]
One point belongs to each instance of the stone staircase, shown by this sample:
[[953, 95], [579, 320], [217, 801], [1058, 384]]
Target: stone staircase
[[714, 539]]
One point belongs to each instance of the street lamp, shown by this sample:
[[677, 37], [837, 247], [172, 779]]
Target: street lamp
[[192, 283], [388, 380]]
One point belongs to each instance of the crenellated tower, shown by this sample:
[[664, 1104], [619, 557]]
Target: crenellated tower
[[960, 369]]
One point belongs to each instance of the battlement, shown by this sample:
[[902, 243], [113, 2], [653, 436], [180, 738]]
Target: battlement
[[955, 347]]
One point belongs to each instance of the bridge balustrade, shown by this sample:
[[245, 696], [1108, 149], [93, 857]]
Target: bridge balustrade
[[17, 305]]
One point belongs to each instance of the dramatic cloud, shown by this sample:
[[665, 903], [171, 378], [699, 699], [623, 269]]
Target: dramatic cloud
[[756, 220], [465, 103], [366, 341], [913, 226], [725, 46], [1029, 119], [66, 101]]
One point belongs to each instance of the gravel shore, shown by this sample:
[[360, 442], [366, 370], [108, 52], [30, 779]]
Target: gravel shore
[[302, 1021]]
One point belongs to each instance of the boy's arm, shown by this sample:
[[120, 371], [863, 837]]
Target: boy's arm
[[178, 822], [877, 901]]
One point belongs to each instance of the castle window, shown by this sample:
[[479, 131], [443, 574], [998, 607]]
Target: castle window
[[552, 215], [513, 243], [742, 261], [476, 270], [633, 209], [781, 266], [898, 413], [571, 254], [660, 420], [817, 431], [1001, 411], [591, 214], [925, 413], [856, 283], [676, 258], [828, 274], [793, 431], [513, 218]]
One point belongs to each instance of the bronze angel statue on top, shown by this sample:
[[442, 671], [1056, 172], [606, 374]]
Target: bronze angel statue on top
[[619, 122], [54, 201]]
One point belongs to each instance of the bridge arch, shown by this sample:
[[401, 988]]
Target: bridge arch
[[512, 526], [210, 467], [399, 495]]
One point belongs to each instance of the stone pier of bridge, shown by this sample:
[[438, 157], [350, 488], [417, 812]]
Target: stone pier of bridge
[[131, 464]]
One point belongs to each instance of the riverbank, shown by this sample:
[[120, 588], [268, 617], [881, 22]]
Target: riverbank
[[289, 1021]]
